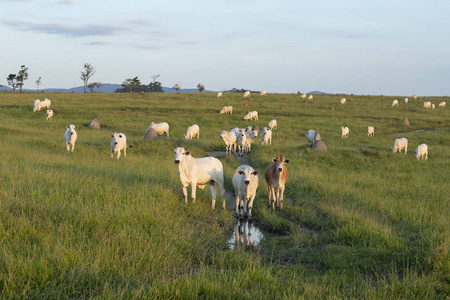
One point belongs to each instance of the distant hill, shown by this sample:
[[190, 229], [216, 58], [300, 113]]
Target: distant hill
[[318, 92]]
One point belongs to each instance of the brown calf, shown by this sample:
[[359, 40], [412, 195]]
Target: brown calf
[[276, 177]]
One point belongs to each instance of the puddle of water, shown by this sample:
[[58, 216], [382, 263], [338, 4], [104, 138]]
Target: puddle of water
[[245, 234]]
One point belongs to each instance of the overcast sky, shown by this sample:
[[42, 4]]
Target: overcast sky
[[399, 47]]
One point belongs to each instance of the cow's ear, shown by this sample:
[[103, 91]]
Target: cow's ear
[[255, 173], [239, 172], [76, 127], [174, 150], [67, 126], [187, 152], [112, 135], [120, 135], [274, 159], [286, 160]]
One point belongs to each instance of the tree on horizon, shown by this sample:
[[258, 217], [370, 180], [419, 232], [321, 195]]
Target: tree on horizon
[[89, 70]]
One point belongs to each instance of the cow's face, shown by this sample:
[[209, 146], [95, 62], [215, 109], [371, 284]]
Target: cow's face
[[247, 174], [115, 139], [180, 153], [71, 128], [279, 161]]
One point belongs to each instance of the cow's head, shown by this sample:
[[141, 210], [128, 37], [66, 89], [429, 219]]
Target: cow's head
[[279, 162], [71, 128], [247, 174], [180, 153]]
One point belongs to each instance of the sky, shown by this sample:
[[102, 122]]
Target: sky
[[399, 47]]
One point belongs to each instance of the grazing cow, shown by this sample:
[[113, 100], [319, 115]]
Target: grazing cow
[[422, 151], [46, 103], [36, 105], [276, 178], [344, 131], [310, 97], [442, 104], [370, 131], [247, 94], [160, 128], [427, 104], [433, 106], [251, 115], [199, 172], [227, 110], [399, 145], [415, 97], [119, 143], [219, 95], [70, 137], [395, 103], [303, 96], [263, 93], [406, 100], [230, 141], [245, 183], [273, 124], [312, 136], [342, 101], [266, 136], [48, 114], [192, 131]]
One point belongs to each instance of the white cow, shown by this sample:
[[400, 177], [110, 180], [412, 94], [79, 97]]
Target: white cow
[[46, 103], [263, 93], [250, 139], [442, 104], [247, 94], [266, 136], [241, 141], [303, 96], [245, 183], [36, 105], [399, 145], [406, 100], [48, 114], [199, 172], [344, 131], [160, 128], [227, 110], [219, 95], [251, 115], [312, 136], [433, 106], [310, 97], [230, 141], [395, 103], [415, 97], [422, 151], [273, 124], [370, 131], [70, 137], [192, 131], [342, 101], [427, 104], [119, 143]]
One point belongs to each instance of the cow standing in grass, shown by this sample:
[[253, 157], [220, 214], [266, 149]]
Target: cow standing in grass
[[276, 178]]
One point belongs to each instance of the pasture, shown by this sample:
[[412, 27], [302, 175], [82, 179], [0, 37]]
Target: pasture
[[358, 220]]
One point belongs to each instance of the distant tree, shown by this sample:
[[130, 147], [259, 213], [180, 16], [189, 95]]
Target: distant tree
[[12, 81], [200, 87], [131, 83], [22, 75], [155, 87], [98, 85], [89, 70], [91, 86], [152, 84], [177, 87], [38, 83]]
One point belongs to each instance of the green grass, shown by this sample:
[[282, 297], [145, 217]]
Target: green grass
[[359, 221]]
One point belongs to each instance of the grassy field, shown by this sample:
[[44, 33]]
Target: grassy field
[[358, 220]]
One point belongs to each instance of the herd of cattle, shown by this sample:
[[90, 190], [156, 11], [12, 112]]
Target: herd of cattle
[[209, 170]]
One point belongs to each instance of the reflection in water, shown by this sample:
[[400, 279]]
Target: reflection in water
[[246, 234]]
